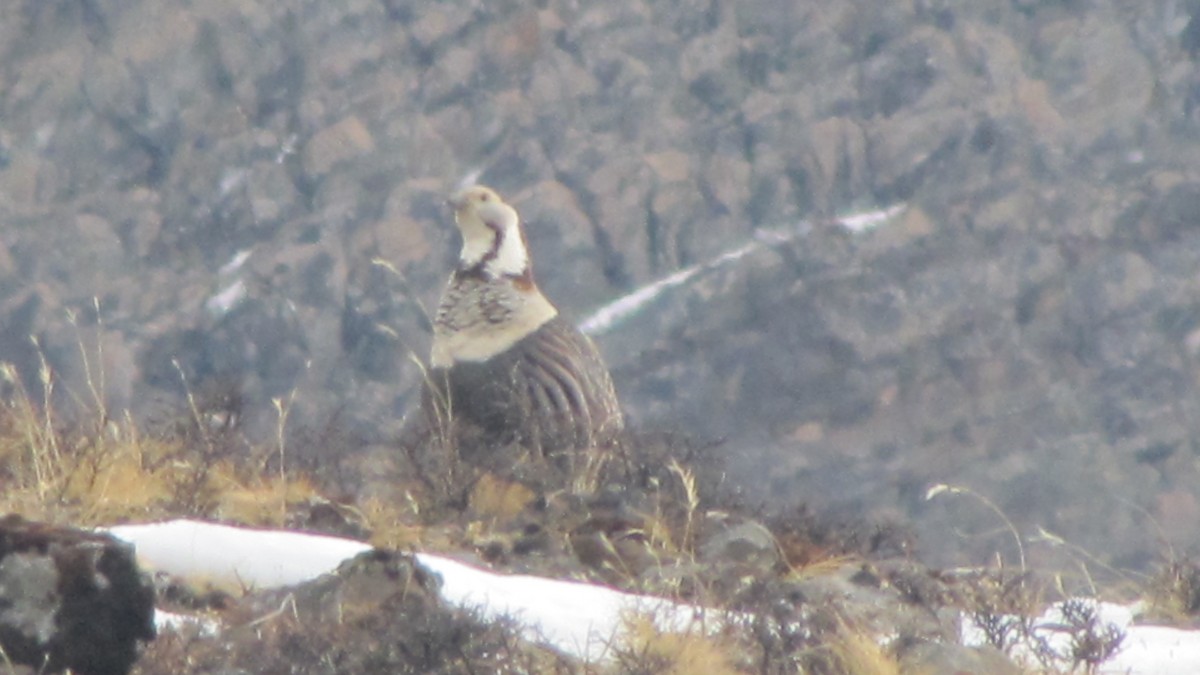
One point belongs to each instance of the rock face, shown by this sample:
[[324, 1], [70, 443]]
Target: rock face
[[71, 599], [250, 193]]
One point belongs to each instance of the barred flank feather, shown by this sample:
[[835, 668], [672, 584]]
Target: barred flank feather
[[550, 391]]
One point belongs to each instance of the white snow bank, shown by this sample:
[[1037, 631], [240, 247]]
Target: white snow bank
[[174, 621], [235, 557], [1146, 650], [576, 618]]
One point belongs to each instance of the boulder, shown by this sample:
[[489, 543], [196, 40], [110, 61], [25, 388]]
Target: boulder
[[71, 599]]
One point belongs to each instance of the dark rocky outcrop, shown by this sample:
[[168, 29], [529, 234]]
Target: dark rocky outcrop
[[71, 599], [250, 193]]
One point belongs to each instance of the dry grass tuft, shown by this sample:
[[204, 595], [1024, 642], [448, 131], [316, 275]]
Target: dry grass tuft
[[645, 648], [241, 496], [496, 498], [1174, 592], [118, 475], [90, 474], [96, 469], [390, 526], [856, 653]]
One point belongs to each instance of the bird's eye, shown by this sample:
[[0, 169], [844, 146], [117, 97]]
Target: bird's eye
[[484, 197]]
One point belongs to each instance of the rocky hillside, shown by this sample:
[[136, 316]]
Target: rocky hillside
[[242, 199]]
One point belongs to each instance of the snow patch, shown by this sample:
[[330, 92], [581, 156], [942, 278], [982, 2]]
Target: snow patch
[[1145, 650], [579, 619]]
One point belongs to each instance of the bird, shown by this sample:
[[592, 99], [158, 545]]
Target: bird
[[505, 367]]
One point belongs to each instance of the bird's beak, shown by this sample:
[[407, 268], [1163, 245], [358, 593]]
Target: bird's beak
[[457, 201]]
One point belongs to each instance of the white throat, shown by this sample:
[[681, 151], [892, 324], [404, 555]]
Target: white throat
[[473, 250], [512, 258], [479, 244]]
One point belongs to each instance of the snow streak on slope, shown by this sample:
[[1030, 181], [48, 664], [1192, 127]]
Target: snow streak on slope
[[610, 315]]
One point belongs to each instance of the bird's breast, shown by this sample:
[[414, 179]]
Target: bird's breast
[[479, 318]]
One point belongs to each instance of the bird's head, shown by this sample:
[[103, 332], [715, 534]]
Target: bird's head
[[493, 242]]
